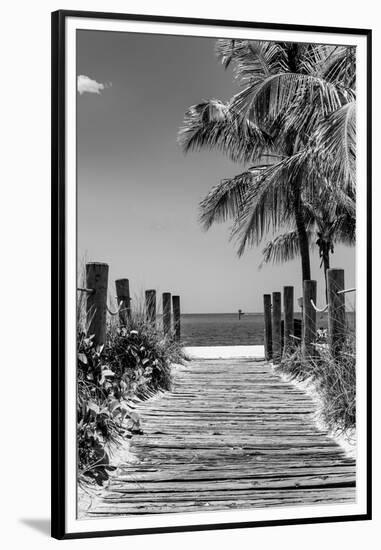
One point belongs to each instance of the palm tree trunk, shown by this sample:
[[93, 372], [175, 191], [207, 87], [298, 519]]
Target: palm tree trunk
[[302, 234], [326, 267]]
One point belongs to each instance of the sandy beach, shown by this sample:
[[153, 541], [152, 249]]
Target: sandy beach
[[224, 352]]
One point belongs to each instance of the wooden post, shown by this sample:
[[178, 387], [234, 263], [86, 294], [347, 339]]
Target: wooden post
[[276, 328], [336, 310], [96, 308], [123, 295], [298, 323], [167, 313], [288, 305], [268, 327], [298, 329], [309, 319], [176, 317], [151, 306]]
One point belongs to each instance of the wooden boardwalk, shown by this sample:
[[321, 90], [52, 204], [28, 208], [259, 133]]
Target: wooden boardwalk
[[230, 435]]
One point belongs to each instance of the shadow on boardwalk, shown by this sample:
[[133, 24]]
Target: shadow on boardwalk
[[230, 435]]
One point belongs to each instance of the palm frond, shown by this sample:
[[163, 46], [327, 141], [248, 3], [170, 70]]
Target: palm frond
[[213, 125], [334, 147], [226, 48], [225, 200], [251, 58], [283, 94], [345, 230], [337, 64], [268, 202], [283, 248], [340, 67]]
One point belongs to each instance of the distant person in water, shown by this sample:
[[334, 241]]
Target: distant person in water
[[240, 313]]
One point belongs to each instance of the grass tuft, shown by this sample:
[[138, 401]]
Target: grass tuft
[[333, 377]]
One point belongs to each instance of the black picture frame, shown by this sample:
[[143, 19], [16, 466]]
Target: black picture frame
[[58, 446]]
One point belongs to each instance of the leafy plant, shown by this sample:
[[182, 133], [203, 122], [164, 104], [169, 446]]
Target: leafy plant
[[133, 364]]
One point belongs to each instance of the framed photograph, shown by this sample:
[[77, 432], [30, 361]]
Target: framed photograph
[[211, 187]]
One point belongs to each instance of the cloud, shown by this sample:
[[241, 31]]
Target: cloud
[[86, 84]]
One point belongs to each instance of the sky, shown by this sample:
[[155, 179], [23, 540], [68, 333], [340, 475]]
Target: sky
[[139, 195]]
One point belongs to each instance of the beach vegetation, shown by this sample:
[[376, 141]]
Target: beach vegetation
[[332, 376], [133, 364]]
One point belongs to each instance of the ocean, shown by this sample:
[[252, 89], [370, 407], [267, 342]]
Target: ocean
[[225, 329]]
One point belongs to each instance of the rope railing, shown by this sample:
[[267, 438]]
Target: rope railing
[[117, 311], [88, 290], [325, 308], [278, 330], [318, 309], [100, 303], [92, 290], [346, 290]]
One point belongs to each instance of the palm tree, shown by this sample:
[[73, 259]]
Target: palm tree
[[325, 227], [279, 122]]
